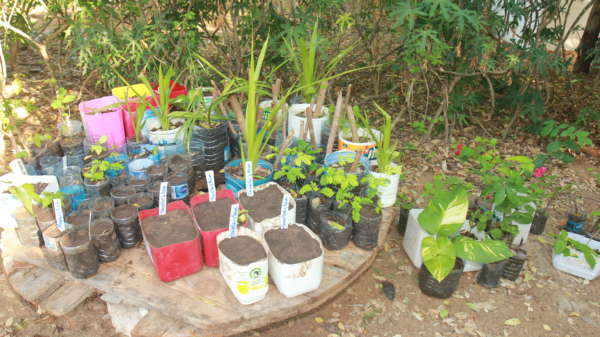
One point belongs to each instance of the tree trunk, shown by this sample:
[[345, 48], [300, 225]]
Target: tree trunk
[[588, 40]]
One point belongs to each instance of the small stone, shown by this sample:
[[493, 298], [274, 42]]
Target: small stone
[[9, 322], [547, 327]]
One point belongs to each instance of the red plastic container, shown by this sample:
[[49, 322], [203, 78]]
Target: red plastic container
[[209, 238], [177, 260], [176, 89]]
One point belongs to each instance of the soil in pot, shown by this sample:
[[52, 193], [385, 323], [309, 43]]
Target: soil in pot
[[292, 245], [213, 215], [265, 204], [157, 172], [138, 184], [238, 172], [105, 240], [126, 221], [490, 274], [539, 223], [101, 207], [142, 200], [444, 289], [121, 194], [201, 182], [242, 249], [174, 227], [80, 254]]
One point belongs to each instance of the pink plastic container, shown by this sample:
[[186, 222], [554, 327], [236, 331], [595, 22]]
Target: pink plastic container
[[177, 260], [127, 121], [209, 238], [109, 123]]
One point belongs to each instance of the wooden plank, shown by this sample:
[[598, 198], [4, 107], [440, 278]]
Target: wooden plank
[[153, 324], [202, 300], [67, 297], [35, 284]]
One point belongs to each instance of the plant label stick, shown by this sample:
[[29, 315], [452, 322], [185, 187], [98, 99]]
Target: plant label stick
[[64, 158], [162, 198], [284, 211], [210, 183], [90, 226], [58, 215], [233, 220], [249, 180]]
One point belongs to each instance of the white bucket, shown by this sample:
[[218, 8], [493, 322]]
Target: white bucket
[[294, 121], [577, 265], [274, 222], [387, 193], [249, 284], [369, 148], [160, 137], [299, 278]]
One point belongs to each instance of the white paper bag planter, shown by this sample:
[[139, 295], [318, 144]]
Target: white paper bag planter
[[250, 283], [273, 222], [298, 278], [414, 235], [577, 265]]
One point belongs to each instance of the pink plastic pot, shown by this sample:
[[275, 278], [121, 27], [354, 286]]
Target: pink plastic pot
[[109, 123], [209, 238], [176, 89], [177, 260]]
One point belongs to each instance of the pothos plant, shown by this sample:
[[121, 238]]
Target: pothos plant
[[444, 215]]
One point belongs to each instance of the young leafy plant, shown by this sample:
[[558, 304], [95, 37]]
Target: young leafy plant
[[28, 196], [564, 244], [444, 215], [564, 137], [386, 150]]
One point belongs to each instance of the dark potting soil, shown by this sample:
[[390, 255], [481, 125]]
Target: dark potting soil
[[292, 245], [201, 183], [75, 238], [124, 211], [155, 170], [137, 182], [122, 191], [141, 200], [213, 215], [265, 203], [238, 172], [174, 227], [80, 219], [102, 205], [44, 214], [242, 250], [369, 211]]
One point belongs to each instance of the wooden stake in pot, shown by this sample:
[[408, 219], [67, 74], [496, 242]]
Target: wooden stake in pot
[[320, 99], [352, 121], [339, 105], [309, 125]]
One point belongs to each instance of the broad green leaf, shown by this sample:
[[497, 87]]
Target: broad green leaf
[[438, 256], [445, 213], [485, 251]]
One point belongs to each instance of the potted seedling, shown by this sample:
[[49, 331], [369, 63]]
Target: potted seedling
[[386, 155], [405, 203], [443, 251], [97, 171], [576, 254]]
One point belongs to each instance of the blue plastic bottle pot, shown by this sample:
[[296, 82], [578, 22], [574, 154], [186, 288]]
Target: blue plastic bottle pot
[[236, 184]]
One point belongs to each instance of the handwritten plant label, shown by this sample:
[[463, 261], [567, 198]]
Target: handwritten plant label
[[249, 179], [58, 215], [233, 220], [284, 211], [64, 161], [210, 183], [162, 198]]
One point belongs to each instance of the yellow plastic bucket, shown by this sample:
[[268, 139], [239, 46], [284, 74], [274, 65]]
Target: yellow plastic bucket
[[131, 91]]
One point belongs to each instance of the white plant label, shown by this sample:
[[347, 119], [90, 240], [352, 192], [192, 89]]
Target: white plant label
[[162, 198], [64, 163], [233, 220], [58, 215], [249, 179], [210, 183], [284, 211]]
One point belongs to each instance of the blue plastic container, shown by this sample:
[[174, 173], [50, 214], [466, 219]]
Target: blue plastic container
[[236, 184]]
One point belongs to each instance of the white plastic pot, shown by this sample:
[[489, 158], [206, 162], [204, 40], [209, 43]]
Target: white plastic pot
[[577, 265], [298, 278], [387, 193], [250, 283], [368, 148], [413, 238], [521, 237], [295, 121], [274, 222]]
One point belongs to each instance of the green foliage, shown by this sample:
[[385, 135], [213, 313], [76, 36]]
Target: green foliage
[[62, 100], [564, 137], [99, 148], [563, 245], [162, 110], [97, 170], [386, 151], [442, 218], [28, 196]]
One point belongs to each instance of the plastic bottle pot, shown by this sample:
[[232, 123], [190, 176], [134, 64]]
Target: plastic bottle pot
[[301, 209], [51, 165], [182, 164], [142, 200], [128, 228], [105, 240], [444, 289], [154, 189], [27, 230], [235, 184], [490, 274], [121, 194], [96, 188], [102, 207], [53, 251], [366, 231], [387, 193], [335, 238], [134, 147], [138, 184], [179, 188], [156, 172], [72, 146], [295, 121], [107, 123], [137, 167], [368, 148], [162, 137], [539, 223], [71, 128], [80, 254], [402, 220], [514, 265]]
